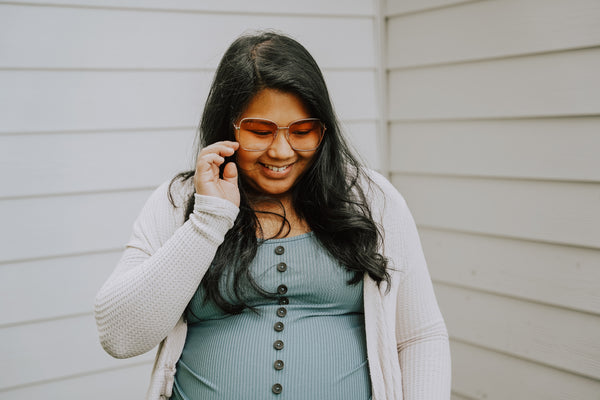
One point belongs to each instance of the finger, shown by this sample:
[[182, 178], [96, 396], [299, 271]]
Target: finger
[[225, 148], [208, 161], [230, 173]]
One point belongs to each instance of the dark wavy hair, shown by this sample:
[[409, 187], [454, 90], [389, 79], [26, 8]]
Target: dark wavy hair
[[327, 195]]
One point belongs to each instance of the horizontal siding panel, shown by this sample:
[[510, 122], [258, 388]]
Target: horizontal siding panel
[[557, 275], [75, 282], [130, 39], [366, 142], [533, 86], [315, 7], [490, 29], [119, 383], [54, 349], [75, 100], [353, 94], [61, 225], [482, 374], [545, 211], [92, 161], [455, 396], [102, 100], [523, 148], [553, 336], [394, 7]]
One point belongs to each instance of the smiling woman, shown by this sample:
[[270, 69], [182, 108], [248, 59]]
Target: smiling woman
[[279, 265]]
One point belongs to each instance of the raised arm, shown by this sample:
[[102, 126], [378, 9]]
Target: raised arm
[[166, 258], [159, 271]]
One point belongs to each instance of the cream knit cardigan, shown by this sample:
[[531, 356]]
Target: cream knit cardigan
[[142, 303]]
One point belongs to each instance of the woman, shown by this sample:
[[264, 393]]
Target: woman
[[279, 267]]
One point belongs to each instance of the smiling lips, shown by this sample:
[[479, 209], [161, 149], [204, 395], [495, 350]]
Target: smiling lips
[[277, 169]]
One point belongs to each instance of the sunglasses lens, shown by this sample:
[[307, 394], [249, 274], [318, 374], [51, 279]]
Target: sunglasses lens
[[306, 134], [256, 134]]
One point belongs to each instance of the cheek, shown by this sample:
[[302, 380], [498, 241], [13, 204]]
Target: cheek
[[308, 159], [246, 160]]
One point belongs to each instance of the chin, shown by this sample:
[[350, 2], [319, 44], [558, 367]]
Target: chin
[[269, 190], [277, 192]]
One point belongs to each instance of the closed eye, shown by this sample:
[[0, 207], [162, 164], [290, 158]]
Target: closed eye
[[262, 133]]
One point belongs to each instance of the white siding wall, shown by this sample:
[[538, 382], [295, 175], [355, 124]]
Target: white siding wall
[[98, 105], [493, 110], [494, 123]]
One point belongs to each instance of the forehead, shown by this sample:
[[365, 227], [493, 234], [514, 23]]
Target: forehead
[[280, 107]]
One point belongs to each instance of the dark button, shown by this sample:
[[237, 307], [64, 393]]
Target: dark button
[[281, 311], [284, 301], [278, 365], [282, 289], [278, 326], [279, 250], [281, 267], [278, 345], [277, 388]]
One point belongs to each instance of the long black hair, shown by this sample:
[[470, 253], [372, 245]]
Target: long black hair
[[327, 196]]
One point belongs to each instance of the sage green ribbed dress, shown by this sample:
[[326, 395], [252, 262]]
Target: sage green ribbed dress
[[308, 343]]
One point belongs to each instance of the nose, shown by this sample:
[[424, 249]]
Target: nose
[[280, 148]]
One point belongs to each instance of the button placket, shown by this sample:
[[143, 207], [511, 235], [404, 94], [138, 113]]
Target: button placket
[[281, 312]]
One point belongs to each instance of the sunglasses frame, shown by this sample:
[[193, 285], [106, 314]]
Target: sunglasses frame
[[287, 134]]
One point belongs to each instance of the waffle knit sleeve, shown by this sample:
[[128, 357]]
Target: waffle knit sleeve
[[421, 334], [159, 271]]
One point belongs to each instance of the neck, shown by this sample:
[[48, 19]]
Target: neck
[[271, 213]]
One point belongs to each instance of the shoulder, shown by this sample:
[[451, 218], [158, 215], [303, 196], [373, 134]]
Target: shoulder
[[382, 196], [170, 196], [162, 214], [390, 211]]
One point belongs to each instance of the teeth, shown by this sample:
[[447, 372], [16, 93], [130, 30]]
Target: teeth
[[276, 169]]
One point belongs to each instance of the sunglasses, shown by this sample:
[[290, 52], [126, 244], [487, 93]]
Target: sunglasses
[[257, 134]]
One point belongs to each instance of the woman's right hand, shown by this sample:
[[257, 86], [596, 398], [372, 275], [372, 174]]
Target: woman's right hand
[[206, 179]]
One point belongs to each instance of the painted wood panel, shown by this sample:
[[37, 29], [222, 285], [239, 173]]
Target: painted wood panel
[[116, 100], [561, 338], [92, 100], [558, 84], [55, 349], [483, 374], [558, 212], [115, 383], [455, 396], [396, 7], [548, 148], [74, 282], [490, 29], [366, 142], [557, 275], [62, 225], [61, 163], [112, 38], [257, 7]]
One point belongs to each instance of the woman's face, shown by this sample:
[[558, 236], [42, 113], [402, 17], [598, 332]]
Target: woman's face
[[275, 170]]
